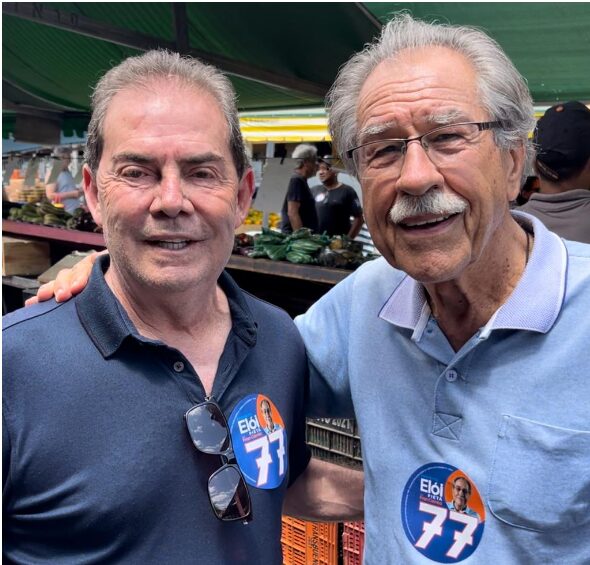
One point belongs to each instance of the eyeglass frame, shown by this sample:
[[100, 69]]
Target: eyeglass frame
[[481, 126], [227, 456]]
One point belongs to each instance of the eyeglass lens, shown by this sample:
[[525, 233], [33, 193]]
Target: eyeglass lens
[[208, 429], [228, 494]]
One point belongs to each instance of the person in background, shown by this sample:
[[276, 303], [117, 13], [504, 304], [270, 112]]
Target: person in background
[[64, 189], [299, 206], [336, 203], [125, 411], [531, 185], [562, 141]]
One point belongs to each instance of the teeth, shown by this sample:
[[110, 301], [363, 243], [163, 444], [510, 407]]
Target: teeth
[[172, 244], [434, 221]]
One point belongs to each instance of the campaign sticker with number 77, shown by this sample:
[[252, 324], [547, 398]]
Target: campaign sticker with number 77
[[260, 441], [443, 513]]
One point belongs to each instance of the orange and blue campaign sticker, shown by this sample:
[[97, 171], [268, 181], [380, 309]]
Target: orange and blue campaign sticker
[[260, 441], [443, 513]]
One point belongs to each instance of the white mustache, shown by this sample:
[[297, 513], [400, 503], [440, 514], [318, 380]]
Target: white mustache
[[433, 202]]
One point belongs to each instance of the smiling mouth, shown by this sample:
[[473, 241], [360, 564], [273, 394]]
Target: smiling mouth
[[171, 245], [425, 224]]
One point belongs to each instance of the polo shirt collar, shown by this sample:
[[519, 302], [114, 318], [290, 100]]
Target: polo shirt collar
[[108, 325], [534, 304]]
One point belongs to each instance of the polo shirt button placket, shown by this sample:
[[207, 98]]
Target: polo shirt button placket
[[178, 366]]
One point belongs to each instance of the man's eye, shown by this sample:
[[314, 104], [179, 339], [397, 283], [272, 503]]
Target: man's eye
[[203, 174], [446, 137], [133, 173], [385, 151]]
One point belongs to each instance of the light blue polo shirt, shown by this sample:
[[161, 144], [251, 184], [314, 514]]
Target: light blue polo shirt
[[509, 411]]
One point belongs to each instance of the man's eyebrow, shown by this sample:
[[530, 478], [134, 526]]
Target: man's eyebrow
[[141, 159], [133, 158], [203, 158], [448, 117], [374, 130]]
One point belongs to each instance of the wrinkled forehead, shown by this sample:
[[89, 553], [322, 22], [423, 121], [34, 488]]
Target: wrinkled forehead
[[433, 85]]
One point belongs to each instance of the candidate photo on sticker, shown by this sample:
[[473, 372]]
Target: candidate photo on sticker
[[268, 416], [461, 496]]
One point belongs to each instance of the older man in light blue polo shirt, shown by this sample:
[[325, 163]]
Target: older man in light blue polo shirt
[[463, 352]]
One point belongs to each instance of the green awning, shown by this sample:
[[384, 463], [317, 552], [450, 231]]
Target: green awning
[[548, 42], [278, 55]]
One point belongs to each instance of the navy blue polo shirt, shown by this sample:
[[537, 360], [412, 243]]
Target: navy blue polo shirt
[[98, 463]]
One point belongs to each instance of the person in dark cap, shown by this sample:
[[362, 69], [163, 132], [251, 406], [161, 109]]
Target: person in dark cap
[[337, 204], [562, 139]]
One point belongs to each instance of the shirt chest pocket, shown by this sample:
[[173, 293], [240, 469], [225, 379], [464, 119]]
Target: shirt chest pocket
[[540, 478]]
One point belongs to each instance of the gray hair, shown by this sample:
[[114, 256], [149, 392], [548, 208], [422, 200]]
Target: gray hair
[[504, 92], [140, 71], [305, 152]]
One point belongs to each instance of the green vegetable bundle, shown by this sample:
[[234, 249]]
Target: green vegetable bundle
[[299, 247]]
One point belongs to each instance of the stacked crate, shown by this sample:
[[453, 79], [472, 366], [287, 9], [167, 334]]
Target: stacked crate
[[314, 543], [335, 440], [353, 543], [309, 543]]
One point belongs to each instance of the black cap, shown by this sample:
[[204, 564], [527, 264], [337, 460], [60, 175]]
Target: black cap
[[562, 139]]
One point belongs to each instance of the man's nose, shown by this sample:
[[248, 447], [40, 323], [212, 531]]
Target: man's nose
[[171, 198], [418, 173]]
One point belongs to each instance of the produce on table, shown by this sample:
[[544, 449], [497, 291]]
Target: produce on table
[[302, 247], [48, 214], [256, 217]]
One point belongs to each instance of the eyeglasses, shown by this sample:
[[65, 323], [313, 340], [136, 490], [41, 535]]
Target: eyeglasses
[[228, 493], [442, 145]]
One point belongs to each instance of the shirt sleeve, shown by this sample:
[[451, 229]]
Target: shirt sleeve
[[325, 329]]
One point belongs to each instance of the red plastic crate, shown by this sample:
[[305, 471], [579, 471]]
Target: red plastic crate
[[309, 543], [353, 543]]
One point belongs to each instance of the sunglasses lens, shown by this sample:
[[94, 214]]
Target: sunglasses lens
[[228, 494], [208, 428]]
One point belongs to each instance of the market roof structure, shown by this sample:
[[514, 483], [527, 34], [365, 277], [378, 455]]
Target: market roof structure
[[278, 55]]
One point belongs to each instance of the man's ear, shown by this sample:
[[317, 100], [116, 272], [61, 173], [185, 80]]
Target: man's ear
[[515, 167], [91, 195], [245, 193]]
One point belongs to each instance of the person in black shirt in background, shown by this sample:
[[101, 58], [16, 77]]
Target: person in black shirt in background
[[336, 203], [299, 206]]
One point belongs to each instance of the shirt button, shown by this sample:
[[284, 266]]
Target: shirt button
[[179, 366], [451, 376]]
